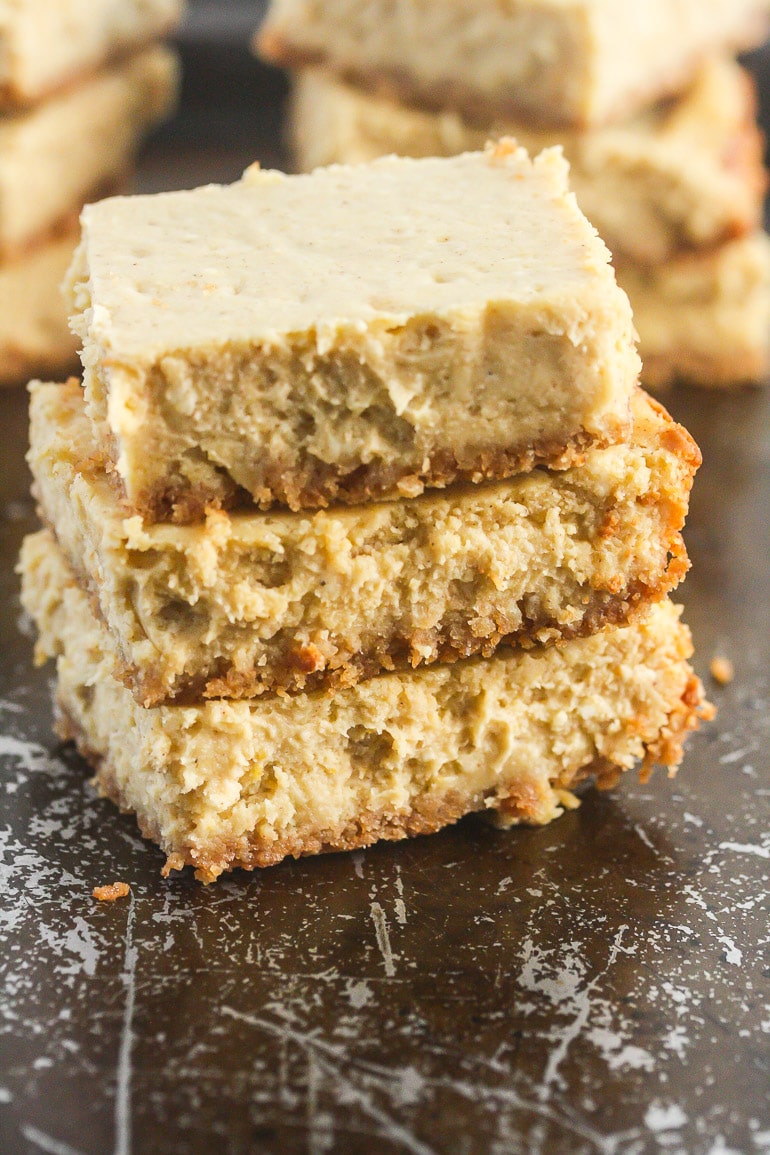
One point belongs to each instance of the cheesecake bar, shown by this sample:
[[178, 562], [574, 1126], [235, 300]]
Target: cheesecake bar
[[351, 334], [77, 145], [227, 784], [257, 602], [705, 318], [686, 173], [581, 62], [47, 44], [34, 336]]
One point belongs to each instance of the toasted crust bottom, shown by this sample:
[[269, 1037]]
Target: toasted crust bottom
[[320, 485]]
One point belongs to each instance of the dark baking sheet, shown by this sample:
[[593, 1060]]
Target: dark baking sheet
[[600, 985]]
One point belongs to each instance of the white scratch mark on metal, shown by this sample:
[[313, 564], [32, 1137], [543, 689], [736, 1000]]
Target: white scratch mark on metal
[[46, 1143], [584, 1005], [383, 938], [645, 838], [319, 1137], [124, 1069], [746, 848], [406, 1087], [732, 954], [399, 904], [328, 1059]]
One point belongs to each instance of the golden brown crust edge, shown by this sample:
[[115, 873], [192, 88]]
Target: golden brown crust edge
[[517, 805]]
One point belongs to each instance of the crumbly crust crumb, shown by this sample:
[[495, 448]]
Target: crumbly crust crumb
[[111, 891]]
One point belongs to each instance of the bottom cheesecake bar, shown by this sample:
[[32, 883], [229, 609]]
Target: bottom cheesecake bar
[[225, 784]]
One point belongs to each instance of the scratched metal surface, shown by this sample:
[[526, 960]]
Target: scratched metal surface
[[597, 986]]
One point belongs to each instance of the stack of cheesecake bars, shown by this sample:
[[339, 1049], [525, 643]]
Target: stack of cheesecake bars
[[655, 116], [79, 87], [360, 520]]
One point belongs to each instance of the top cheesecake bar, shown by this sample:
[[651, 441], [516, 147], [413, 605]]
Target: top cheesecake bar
[[47, 44], [357, 333], [580, 62]]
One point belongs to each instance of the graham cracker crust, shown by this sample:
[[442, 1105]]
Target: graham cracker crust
[[317, 485]]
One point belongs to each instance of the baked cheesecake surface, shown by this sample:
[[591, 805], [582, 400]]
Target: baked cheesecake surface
[[251, 603], [583, 62], [229, 784], [349, 334], [685, 173]]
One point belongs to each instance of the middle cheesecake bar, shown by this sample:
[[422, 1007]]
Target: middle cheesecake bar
[[254, 602]]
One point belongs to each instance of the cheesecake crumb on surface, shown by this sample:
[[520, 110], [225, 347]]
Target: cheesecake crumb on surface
[[111, 891], [722, 670]]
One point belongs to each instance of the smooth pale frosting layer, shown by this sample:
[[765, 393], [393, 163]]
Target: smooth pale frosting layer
[[257, 602], [283, 332], [78, 143], [46, 44], [247, 783], [564, 61], [684, 173]]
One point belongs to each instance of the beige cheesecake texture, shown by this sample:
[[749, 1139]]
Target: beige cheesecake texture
[[78, 144], [682, 174], [48, 44], [567, 62], [34, 335], [705, 317], [350, 334], [249, 603], [227, 784]]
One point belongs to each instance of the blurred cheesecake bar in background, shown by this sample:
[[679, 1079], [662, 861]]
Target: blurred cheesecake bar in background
[[34, 333], [76, 145], [49, 44], [671, 173], [586, 63]]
